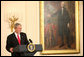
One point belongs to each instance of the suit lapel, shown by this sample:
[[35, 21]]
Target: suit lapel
[[21, 37], [16, 40]]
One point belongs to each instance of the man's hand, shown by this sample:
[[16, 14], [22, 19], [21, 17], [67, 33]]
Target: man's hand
[[11, 49]]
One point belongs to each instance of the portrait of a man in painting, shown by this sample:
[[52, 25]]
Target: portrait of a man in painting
[[59, 25]]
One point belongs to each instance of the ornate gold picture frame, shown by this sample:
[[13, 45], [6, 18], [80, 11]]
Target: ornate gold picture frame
[[49, 10]]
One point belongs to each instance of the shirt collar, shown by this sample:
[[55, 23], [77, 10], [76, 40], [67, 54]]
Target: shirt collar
[[16, 34]]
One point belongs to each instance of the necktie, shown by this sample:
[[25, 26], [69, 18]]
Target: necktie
[[18, 39]]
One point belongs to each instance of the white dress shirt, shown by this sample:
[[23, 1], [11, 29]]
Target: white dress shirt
[[62, 10], [16, 35]]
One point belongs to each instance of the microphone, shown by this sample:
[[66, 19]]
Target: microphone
[[30, 41]]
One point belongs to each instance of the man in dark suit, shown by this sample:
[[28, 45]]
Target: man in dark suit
[[16, 38], [63, 24]]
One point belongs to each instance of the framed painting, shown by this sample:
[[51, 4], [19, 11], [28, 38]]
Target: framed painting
[[59, 27]]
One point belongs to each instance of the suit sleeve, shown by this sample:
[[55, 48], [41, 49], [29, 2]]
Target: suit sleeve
[[8, 44], [67, 17]]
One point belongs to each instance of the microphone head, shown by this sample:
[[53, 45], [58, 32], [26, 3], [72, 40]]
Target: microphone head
[[30, 41]]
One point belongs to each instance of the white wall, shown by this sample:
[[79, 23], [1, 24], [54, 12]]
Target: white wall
[[28, 14]]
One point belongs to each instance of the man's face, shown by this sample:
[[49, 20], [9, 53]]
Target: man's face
[[62, 4], [18, 29]]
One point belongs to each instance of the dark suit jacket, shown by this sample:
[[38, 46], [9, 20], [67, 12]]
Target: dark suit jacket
[[13, 42], [63, 20]]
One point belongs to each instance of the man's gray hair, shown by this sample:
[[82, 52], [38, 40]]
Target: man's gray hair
[[15, 26]]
